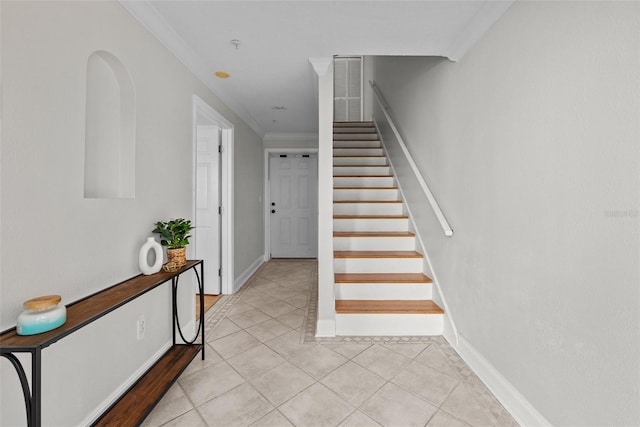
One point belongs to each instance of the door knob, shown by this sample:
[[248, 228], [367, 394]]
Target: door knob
[[273, 211], [273, 203]]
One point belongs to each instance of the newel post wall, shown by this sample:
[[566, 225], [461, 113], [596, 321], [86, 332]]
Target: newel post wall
[[326, 321]]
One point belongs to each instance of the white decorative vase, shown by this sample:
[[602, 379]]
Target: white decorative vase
[[143, 259]]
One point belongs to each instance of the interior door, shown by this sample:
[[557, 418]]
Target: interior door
[[347, 91], [207, 223], [293, 189]]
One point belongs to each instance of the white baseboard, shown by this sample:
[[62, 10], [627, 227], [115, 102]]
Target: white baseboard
[[326, 328], [242, 279], [113, 397], [514, 402]]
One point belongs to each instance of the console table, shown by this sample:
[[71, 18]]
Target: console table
[[135, 404]]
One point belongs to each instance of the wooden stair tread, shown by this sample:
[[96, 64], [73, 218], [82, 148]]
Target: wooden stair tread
[[370, 217], [354, 155], [363, 176], [381, 278], [387, 307], [134, 406], [377, 254], [373, 234], [367, 201], [365, 188]]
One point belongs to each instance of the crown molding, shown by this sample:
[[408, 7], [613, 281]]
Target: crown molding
[[151, 19]]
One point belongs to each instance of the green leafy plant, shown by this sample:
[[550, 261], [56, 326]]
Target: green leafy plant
[[174, 234]]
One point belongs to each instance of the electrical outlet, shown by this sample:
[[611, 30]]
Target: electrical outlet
[[141, 327]]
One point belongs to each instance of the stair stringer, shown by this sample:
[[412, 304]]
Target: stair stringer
[[450, 332]]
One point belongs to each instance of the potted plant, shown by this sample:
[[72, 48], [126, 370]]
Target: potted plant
[[174, 234]]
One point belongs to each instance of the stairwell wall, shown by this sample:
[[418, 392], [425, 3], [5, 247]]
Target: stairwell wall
[[530, 145]]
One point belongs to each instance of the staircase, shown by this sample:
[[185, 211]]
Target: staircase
[[380, 286]]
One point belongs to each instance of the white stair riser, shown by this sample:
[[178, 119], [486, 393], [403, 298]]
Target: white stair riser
[[377, 265], [359, 161], [357, 152], [390, 324], [369, 181], [374, 243], [367, 208], [365, 194], [354, 129], [370, 224], [370, 143], [383, 291], [361, 170]]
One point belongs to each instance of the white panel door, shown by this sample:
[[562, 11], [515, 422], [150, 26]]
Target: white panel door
[[293, 189], [207, 222]]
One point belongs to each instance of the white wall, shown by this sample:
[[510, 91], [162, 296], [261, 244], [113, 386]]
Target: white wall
[[290, 141], [530, 144], [56, 242]]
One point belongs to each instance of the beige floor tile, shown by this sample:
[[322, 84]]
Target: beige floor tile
[[318, 361], [298, 300], [190, 419], [255, 361], [434, 358], [281, 383], [293, 319], [222, 329], [268, 330], [288, 345], [234, 344], [278, 308], [197, 364], [172, 405], [316, 406], [240, 307], [409, 350], [258, 300], [348, 350], [358, 419], [392, 406], [272, 419], [353, 383], [442, 419], [249, 318], [464, 404], [210, 382], [382, 361], [238, 407], [425, 382]]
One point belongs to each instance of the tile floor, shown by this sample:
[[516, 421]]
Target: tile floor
[[264, 367]]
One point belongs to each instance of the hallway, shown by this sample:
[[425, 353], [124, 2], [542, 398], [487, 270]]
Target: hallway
[[264, 367]]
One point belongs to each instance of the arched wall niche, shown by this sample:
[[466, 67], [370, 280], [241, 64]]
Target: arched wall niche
[[109, 156]]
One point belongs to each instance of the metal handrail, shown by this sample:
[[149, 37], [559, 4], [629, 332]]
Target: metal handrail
[[448, 231]]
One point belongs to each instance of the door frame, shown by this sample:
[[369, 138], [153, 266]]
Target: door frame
[[200, 107], [267, 191]]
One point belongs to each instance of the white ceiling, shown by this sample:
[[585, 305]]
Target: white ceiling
[[277, 38]]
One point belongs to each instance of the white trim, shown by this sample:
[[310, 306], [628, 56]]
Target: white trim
[[148, 16], [226, 198], [326, 328], [242, 279], [449, 327], [514, 402], [115, 395], [448, 231], [266, 192]]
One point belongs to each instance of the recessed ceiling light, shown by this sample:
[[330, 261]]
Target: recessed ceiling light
[[222, 74], [279, 108]]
